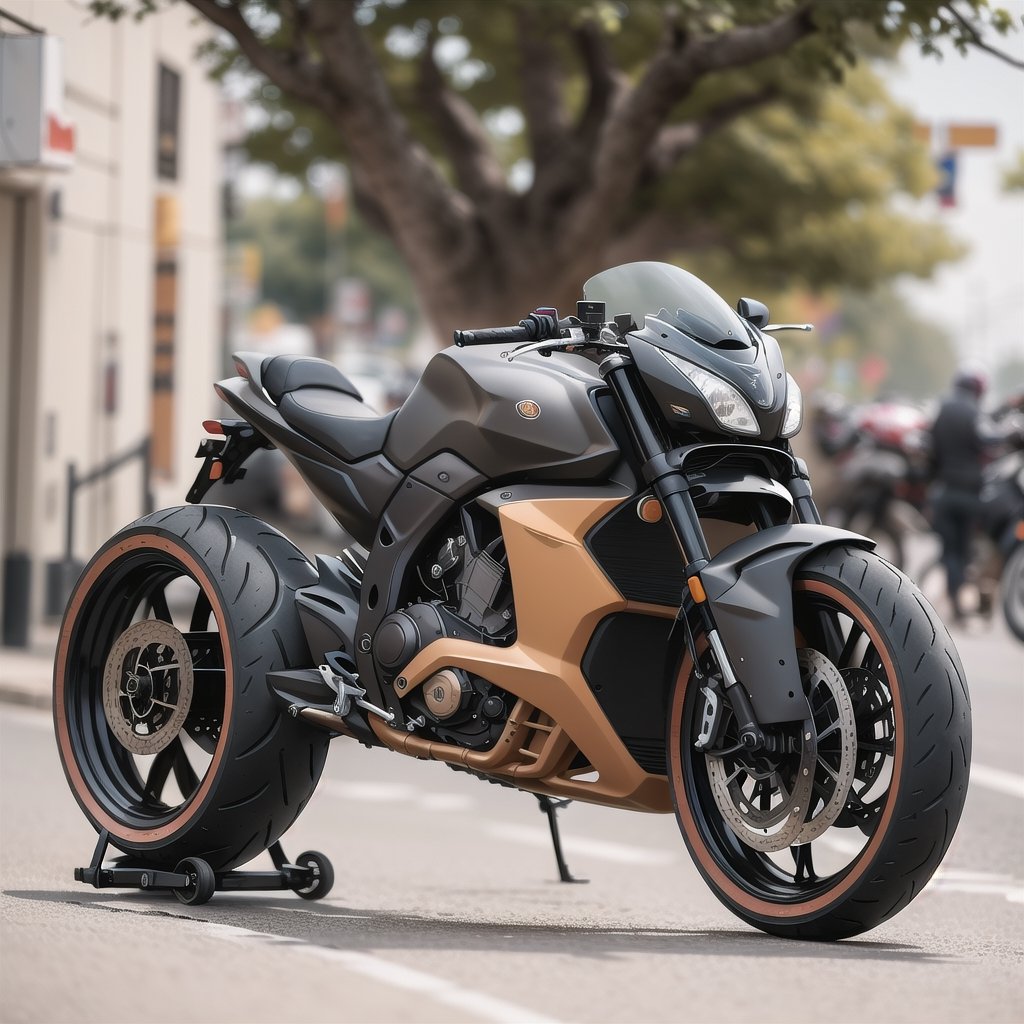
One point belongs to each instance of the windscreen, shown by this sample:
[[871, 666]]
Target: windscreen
[[672, 295]]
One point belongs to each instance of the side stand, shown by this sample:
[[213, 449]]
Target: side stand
[[193, 881], [550, 808]]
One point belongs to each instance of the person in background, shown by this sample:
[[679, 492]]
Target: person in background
[[960, 438]]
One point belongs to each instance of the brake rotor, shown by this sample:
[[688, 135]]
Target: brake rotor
[[802, 794], [147, 686]]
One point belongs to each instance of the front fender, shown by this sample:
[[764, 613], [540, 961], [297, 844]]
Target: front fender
[[749, 585]]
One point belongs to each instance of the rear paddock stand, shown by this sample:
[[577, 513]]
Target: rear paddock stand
[[193, 881]]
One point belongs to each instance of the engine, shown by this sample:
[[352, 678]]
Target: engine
[[461, 590]]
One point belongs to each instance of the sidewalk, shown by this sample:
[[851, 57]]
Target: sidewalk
[[26, 673]]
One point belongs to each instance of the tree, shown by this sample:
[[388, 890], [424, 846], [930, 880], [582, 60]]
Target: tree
[[619, 102]]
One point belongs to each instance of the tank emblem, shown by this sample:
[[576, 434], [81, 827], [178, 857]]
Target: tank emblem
[[527, 409]]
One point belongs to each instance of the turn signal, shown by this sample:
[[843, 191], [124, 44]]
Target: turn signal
[[696, 589], [649, 510]]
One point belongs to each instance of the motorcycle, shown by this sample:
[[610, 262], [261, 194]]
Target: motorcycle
[[588, 566], [881, 456]]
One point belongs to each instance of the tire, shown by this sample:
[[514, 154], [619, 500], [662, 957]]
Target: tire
[[1012, 585], [323, 875], [861, 858], [888, 535], [168, 734], [201, 884]]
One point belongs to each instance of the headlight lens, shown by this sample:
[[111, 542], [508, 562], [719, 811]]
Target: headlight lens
[[794, 408], [729, 407]]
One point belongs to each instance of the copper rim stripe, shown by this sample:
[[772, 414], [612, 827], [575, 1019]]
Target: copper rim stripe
[[82, 791]]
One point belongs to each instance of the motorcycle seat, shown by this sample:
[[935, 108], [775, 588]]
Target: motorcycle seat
[[284, 374], [316, 398]]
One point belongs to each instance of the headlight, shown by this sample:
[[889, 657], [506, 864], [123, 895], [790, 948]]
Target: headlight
[[729, 407], [794, 408]]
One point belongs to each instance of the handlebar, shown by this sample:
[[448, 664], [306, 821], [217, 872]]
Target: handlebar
[[493, 336], [539, 325]]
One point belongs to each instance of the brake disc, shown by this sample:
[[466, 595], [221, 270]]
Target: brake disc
[[804, 793], [147, 686]]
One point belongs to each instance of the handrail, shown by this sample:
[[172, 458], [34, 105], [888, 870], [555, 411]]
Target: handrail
[[75, 482]]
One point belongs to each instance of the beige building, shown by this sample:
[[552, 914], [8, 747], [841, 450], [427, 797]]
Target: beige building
[[109, 279]]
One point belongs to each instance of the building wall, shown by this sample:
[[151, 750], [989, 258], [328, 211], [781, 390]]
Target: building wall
[[93, 229]]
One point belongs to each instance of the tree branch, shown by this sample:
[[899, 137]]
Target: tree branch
[[638, 113], [676, 140], [285, 68], [975, 37], [469, 147], [427, 215], [603, 78], [543, 90]]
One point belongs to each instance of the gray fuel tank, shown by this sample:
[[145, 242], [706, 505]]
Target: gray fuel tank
[[536, 415]]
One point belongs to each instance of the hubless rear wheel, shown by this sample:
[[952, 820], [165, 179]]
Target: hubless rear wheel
[[840, 832], [167, 731]]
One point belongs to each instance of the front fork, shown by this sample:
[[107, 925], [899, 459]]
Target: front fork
[[671, 486]]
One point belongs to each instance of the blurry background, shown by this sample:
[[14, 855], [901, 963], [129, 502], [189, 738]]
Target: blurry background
[[183, 180]]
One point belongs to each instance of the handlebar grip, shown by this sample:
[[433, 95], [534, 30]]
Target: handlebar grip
[[493, 336]]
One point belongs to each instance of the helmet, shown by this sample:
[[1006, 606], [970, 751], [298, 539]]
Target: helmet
[[971, 378]]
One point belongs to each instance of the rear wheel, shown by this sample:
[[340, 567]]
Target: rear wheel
[[842, 830], [168, 734], [1012, 585]]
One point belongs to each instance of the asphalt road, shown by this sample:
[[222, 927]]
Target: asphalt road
[[447, 908]]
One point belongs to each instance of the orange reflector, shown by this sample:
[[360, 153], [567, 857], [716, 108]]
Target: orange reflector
[[213, 427], [216, 470], [1020, 530], [696, 589], [649, 510]]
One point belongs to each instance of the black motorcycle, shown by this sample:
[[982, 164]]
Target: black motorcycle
[[589, 567]]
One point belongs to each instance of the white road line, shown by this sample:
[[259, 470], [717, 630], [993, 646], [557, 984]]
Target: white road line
[[397, 792], [618, 853], [1007, 783], [477, 1004], [36, 718]]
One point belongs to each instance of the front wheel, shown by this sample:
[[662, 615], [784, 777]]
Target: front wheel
[[843, 829]]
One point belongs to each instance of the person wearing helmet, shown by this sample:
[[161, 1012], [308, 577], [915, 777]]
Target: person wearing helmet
[[959, 438]]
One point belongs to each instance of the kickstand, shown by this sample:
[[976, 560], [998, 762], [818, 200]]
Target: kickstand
[[550, 808]]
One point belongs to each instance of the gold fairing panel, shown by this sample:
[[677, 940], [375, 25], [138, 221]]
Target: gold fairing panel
[[561, 595]]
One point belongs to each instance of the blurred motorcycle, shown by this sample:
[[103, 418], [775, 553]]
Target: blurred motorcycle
[[880, 453]]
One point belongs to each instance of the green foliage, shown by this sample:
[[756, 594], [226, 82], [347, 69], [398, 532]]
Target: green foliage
[[303, 258], [1013, 176]]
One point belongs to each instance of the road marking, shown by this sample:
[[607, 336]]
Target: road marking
[[618, 853], [36, 718], [1007, 783], [1011, 891], [370, 792], [477, 1004], [397, 792]]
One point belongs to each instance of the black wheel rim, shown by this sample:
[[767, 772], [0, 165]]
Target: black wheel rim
[[803, 873], [144, 791]]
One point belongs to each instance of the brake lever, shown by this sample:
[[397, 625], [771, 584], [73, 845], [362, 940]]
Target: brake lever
[[577, 339], [788, 327]]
